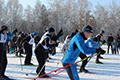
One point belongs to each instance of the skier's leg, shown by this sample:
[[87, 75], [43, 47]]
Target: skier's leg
[[72, 71], [84, 63]]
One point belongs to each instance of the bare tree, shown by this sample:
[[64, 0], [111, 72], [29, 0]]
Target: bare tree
[[14, 14]]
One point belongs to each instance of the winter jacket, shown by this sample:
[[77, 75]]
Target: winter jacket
[[110, 40], [76, 46], [37, 39], [28, 39], [46, 41], [3, 40], [90, 43], [114, 44], [65, 45], [118, 40]]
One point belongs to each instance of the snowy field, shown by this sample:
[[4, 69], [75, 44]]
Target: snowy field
[[110, 70]]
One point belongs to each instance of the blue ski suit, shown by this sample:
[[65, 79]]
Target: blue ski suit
[[76, 46], [90, 43]]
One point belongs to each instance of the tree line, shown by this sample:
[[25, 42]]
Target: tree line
[[66, 14]]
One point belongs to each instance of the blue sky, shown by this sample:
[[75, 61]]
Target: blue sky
[[94, 2]]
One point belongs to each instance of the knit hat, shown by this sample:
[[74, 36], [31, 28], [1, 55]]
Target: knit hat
[[51, 29], [87, 29], [34, 33]]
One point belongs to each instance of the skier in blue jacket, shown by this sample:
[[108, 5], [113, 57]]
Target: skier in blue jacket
[[92, 43], [76, 46]]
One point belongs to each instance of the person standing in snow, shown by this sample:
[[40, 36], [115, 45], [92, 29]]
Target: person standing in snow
[[27, 43], [3, 56], [118, 41], [114, 44], [109, 42], [76, 46], [42, 50]]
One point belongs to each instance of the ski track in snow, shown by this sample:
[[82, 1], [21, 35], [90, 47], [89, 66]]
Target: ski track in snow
[[108, 71]]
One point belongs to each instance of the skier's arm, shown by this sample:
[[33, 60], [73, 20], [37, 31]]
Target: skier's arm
[[47, 43], [11, 35], [83, 48], [27, 39]]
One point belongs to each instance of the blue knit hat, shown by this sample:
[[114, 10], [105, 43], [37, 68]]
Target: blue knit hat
[[34, 33]]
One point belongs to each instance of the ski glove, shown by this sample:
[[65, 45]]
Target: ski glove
[[103, 42], [98, 50], [60, 33], [102, 52], [15, 30], [56, 44]]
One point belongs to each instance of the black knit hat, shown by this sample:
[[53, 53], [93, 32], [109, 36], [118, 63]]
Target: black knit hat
[[51, 29], [3, 28], [102, 31], [87, 28]]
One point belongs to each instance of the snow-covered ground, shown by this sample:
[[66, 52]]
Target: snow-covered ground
[[108, 71]]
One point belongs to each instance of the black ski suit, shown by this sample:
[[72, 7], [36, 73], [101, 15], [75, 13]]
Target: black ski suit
[[27, 43], [19, 39], [42, 50], [99, 38]]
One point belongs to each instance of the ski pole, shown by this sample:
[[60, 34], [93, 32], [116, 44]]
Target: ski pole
[[55, 70], [21, 63], [18, 50], [59, 69], [62, 67], [39, 71], [42, 67], [30, 72], [55, 74]]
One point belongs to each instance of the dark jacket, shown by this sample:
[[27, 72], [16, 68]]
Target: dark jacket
[[110, 40], [37, 39]]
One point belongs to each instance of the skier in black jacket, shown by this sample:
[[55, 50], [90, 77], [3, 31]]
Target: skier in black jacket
[[27, 43], [100, 39], [21, 36], [109, 42], [43, 49]]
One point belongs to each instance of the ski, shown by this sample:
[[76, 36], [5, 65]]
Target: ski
[[26, 65], [7, 79], [105, 63], [90, 72], [15, 57]]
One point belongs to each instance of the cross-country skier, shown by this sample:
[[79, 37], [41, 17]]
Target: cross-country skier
[[21, 36], [92, 43], [42, 50], [100, 39], [76, 46], [3, 57], [27, 43], [37, 39], [67, 40]]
